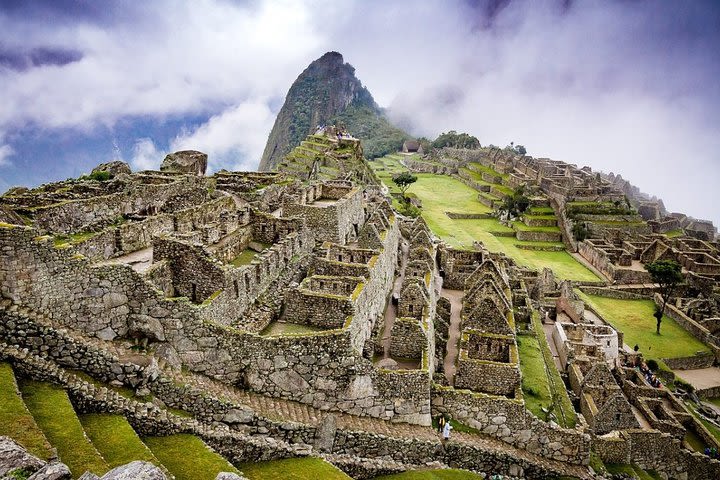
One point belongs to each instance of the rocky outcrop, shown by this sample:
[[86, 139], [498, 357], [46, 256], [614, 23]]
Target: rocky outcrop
[[185, 161], [135, 470], [14, 458], [115, 167]]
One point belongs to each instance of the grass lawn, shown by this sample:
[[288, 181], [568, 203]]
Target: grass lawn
[[307, 468], [534, 379], [285, 328], [635, 319], [54, 414], [450, 474], [244, 258], [442, 193], [187, 457], [119, 447], [15, 419], [714, 431], [632, 470], [564, 411]]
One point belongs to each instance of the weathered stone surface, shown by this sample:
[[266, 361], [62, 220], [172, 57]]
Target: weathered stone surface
[[115, 167], [237, 415], [229, 476], [185, 161], [14, 457], [325, 434], [135, 471], [52, 471]]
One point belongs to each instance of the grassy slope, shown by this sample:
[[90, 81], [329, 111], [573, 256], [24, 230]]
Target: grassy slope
[[432, 475], [52, 410], [309, 468], [122, 446], [534, 380], [15, 419], [635, 319], [187, 457], [441, 193]]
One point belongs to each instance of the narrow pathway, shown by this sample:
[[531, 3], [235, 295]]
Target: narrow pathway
[[391, 309], [450, 363]]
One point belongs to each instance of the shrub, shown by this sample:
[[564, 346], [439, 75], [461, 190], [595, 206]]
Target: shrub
[[652, 364]]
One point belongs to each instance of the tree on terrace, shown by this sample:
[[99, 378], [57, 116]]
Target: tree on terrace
[[667, 274]]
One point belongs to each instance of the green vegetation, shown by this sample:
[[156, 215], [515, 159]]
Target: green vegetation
[[187, 457], [115, 439], [54, 414], [562, 406], [449, 474], [15, 420], [442, 193], [98, 176], [73, 238], [667, 274], [678, 232], [403, 180], [597, 208], [377, 135], [456, 140], [714, 431], [516, 202], [633, 470], [308, 468], [285, 328], [244, 258], [534, 379], [632, 318]]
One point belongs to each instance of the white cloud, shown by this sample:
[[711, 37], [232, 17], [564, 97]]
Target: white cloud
[[6, 151], [146, 156], [234, 139]]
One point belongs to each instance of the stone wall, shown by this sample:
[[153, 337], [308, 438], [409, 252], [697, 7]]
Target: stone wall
[[408, 339]]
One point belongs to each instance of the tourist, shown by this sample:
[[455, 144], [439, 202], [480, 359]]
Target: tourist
[[446, 431], [441, 423]]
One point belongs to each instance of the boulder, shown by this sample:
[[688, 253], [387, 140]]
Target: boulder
[[185, 161], [14, 457], [145, 326], [115, 167], [229, 476], [52, 471], [134, 471], [238, 415]]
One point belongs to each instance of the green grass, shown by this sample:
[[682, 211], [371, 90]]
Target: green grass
[[308, 468], [283, 328], [244, 258], [541, 211], [632, 470], [15, 419], [73, 238], [483, 168], [441, 193], [635, 319], [115, 439], [678, 232], [714, 431], [450, 474], [564, 411], [714, 401], [535, 385], [54, 414], [525, 228], [187, 457]]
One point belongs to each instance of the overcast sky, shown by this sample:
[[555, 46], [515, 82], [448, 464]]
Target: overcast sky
[[631, 87]]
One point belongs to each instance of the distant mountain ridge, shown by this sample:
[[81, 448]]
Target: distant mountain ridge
[[328, 92]]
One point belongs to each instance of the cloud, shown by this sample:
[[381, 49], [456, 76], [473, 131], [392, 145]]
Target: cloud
[[6, 151], [146, 156], [624, 86], [234, 139]]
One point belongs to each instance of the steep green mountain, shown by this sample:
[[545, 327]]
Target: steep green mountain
[[327, 92]]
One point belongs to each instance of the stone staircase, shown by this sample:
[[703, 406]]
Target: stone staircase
[[281, 410]]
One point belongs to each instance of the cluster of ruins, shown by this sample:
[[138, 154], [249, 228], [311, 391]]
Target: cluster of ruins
[[305, 285]]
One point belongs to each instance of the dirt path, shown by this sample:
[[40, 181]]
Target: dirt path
[[449, 365]]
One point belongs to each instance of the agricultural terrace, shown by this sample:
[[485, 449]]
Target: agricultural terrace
[[635, 319], [442, 193]]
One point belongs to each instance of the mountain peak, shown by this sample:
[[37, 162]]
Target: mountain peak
[[322, 92]]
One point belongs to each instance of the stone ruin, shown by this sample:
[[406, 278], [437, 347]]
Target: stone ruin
[[241, 294]]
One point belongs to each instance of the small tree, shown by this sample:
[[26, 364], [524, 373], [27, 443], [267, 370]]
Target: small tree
[[403, 181], [520, 150], [666, 273], [516, 203]]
